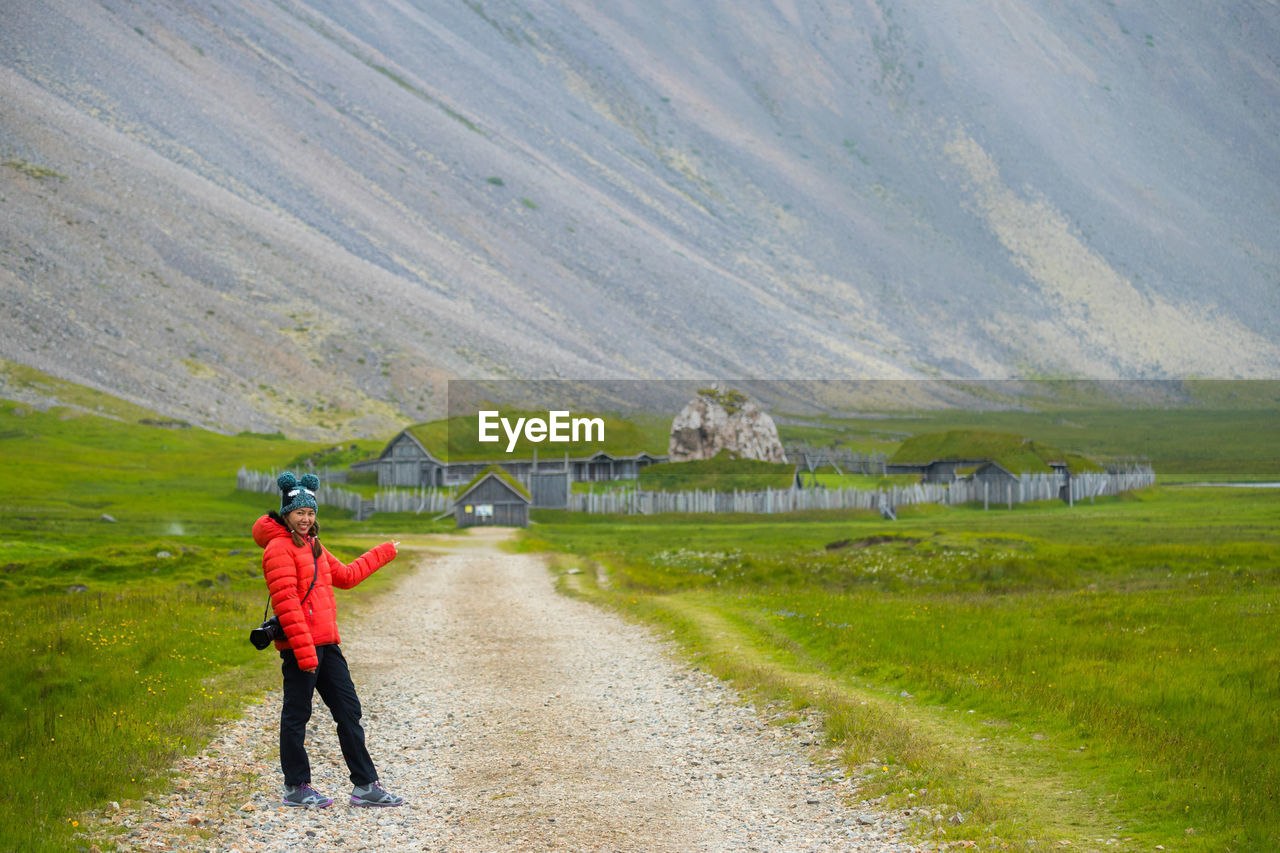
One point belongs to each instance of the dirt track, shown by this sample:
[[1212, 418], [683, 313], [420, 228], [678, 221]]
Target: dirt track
[[512, 717]]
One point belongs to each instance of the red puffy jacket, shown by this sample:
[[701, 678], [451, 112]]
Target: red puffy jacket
[[289, 569]]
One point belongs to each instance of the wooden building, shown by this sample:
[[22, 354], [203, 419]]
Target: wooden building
[[406, 461], [995, 474], [602, 466], [936, 470], [995, 460], [493, 497], [991, 473]]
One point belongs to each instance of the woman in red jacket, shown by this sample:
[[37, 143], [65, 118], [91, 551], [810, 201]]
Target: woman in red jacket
[[301, 574]]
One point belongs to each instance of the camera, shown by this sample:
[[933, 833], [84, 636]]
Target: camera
[[262, 636]]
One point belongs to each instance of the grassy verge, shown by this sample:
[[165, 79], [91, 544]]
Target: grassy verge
[[118, 662], [126, 640], [1048, 674], [1138, 628]]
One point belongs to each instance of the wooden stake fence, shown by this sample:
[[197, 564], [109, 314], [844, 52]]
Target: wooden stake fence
[[1027, 488], [388, 500]]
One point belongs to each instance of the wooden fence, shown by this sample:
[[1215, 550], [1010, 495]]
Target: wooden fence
[[387, 500], [420, 500], [1027, 488], [1044, 487], [259, 481], [841, 459], [765, 501]]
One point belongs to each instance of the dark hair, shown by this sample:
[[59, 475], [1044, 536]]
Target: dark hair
[[298, 541]]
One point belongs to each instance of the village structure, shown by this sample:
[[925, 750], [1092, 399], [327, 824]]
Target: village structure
[[406, 461], [493, 497], [992, 462], [952, 467], [981, 470]]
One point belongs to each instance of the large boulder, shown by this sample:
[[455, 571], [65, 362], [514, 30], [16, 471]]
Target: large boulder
[[724, 420]]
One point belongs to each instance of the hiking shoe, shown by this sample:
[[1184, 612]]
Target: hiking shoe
[[305, 797], [373, 795]]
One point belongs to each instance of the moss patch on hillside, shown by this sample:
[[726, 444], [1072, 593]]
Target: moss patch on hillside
[[30, 382]]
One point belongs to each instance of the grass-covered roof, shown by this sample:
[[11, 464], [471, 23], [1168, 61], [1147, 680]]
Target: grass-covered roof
[[501, 473], [457, 439], [1014, 453], [722, 473]]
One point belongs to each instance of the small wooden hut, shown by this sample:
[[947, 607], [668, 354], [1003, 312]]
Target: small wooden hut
[[493, 497]]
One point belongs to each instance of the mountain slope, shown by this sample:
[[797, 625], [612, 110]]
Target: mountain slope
[[311, 214]]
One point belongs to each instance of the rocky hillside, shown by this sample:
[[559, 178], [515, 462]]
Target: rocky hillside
[[309, 215]]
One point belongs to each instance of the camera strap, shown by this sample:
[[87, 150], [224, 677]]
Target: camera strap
[[316, 563]]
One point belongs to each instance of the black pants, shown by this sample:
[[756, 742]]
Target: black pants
[[332, 680]]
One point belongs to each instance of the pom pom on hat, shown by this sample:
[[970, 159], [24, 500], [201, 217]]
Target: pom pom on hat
[[295, 493]]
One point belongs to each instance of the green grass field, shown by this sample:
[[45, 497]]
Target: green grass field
[[1102, 671], [106, 686], [1183, 445], [1107, 671], [119, 660]]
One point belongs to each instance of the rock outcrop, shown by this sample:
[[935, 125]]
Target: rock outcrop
[[716, 421]]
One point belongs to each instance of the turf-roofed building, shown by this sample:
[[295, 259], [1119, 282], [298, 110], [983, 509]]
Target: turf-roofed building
[[447, 453]]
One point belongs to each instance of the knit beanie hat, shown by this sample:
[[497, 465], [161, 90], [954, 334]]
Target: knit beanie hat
[[295, 493]]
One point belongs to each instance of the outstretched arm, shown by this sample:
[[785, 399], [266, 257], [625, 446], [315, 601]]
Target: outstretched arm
[[347, 576]]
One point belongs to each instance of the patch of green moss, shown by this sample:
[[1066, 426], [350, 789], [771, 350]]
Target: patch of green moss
[[731, 401], [31, 170]]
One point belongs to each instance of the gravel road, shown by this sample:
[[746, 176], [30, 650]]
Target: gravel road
[[515, 718]]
